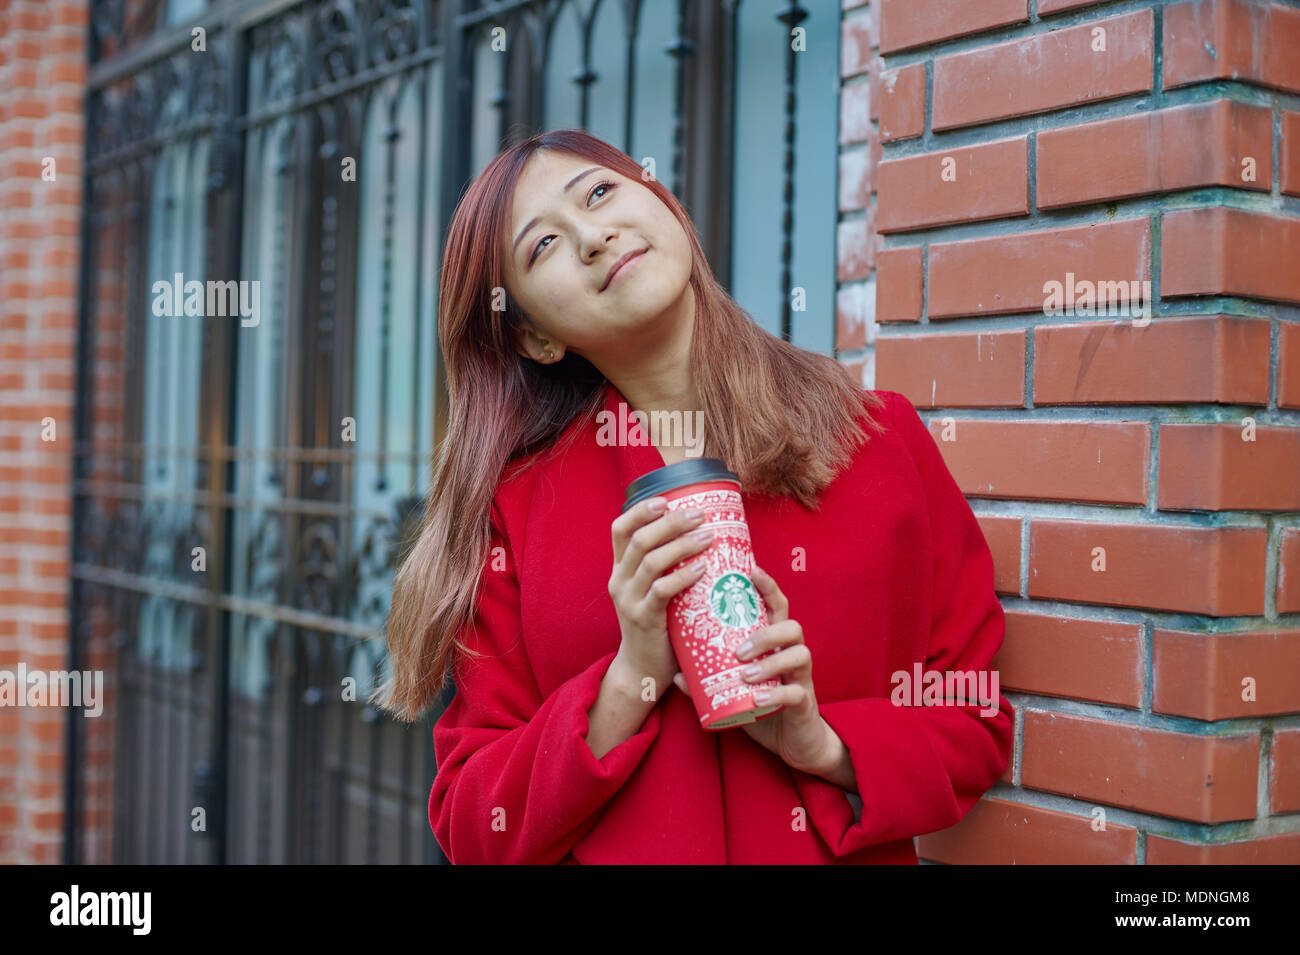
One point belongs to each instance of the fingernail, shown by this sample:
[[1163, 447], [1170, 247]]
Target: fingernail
[[745, 649], [656, 504], [694, 512]]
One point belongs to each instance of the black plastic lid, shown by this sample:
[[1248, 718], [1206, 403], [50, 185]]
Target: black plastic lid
[[691, 471]]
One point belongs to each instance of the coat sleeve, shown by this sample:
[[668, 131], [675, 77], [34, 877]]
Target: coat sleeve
[[920, 769], [516, 782]]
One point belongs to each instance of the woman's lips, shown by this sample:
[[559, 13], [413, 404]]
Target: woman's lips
[[620, 269]]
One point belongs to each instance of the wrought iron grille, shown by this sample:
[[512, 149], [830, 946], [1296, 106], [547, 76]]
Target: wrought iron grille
[[242, 488]]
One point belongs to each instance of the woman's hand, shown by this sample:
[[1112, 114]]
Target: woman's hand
[[648, 541], [797, 733]]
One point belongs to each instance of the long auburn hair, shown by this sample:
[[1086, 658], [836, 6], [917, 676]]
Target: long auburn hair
[[784, 419]]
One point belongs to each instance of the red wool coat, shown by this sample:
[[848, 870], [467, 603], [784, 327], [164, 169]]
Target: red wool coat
[[895, 572]]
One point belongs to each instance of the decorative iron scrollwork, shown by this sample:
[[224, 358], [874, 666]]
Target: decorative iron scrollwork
[[335, 43], [394, 30]]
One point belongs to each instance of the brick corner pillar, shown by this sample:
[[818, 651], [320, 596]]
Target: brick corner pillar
[[1098, 211], [43, 75]]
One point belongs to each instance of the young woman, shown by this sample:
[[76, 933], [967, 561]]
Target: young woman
[[573, 284]]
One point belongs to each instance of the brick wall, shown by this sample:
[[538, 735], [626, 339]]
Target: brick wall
[[1170, 154], [42, 74], [1137, 477]]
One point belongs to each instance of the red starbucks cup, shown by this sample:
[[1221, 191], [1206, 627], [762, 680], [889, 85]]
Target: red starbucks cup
[[716, 614]]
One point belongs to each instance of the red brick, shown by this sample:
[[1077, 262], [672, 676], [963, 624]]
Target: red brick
[[69, 103], [963, 184], [21, 138], [1002, 534], [1008, 273], [1290, 161], [72, 14], [1214, 358], [1268, 850], [909, 23], [1288, 365], [1200, 675], [855, 255], [64, 258], [23, 78], [62, 286], [1222, 251], [31, 16], [856, 42], [1184, 147], [1044, 72], [856, 179], [1218, 571], [874, 69], [63, 133], [18, 196], [1213, 467], [1104, 462], [1199, 778], [66, 72], [1230, 39], [852, 317], [1002, 832], [855, 122], [902, 103], [966, 370], [1288, 571], [898, 285], [1284, 772], [23, 48], [1095, 660]]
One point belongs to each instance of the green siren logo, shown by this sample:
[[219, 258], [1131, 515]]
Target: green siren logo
[[734, 601]]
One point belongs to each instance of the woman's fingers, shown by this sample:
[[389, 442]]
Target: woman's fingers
[[627, 523], [778, 608], [632, 550], [683, 547], [794, 663], [670, 585]]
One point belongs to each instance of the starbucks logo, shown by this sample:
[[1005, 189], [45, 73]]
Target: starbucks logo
[[734, 601]]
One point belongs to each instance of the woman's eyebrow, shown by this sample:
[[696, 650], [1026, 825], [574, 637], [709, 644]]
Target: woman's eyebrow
[[535, 219]]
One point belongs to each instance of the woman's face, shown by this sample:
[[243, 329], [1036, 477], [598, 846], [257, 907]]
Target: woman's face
[[569, 240]]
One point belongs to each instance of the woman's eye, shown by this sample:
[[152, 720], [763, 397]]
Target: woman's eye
[[537, 250]]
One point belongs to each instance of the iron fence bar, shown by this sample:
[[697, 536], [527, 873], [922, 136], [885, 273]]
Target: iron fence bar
[[223, 523], [306, 506], [83, 418], [242, 605], [791, 15], [241, 15], [727, 142], [680, 48]]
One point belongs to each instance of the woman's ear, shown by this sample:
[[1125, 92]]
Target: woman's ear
[[540, 349]]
